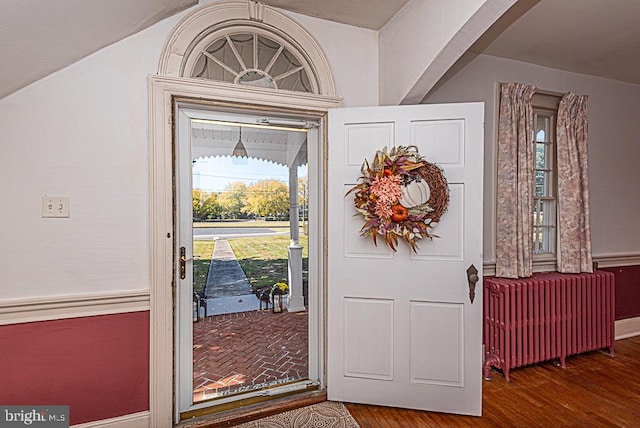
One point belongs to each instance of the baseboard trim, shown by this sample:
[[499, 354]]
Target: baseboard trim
[[134, 420], [17, 311], [627, 328]]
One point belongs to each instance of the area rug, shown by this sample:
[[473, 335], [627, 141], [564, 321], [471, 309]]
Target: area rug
[[328, 414]]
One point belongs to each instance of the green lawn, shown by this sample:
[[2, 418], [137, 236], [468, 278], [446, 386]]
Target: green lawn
[[202, 251], [264, 259]]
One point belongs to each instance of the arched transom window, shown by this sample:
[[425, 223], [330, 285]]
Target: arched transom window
[[251, 57], [226, 42]]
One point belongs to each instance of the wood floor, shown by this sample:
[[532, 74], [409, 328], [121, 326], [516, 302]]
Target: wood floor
[[595, 390]]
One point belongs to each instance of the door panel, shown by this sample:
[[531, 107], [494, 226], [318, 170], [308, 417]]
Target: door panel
[[442, 141], [368, 326], [451, 226], [401, 329], [362, 138], [426, 366], [354, 245]]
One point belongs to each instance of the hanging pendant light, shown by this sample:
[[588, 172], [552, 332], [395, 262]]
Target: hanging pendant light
[[239, 151]]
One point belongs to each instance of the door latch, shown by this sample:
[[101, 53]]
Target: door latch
[[183, 262], [472, 277]]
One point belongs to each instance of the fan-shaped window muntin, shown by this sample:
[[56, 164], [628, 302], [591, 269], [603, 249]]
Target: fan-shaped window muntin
[[250, 57]]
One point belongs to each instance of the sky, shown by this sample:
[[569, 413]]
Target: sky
[[214, 174]]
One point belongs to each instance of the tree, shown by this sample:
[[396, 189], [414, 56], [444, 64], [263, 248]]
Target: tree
[[303, 202], [231, 200], [197, 199], [267, 198], [210, 207], [205, 205], [303, 195]]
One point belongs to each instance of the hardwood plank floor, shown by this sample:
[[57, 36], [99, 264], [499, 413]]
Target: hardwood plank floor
[[595, 390]]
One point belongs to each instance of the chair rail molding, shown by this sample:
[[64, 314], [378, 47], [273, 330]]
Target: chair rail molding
[[615, 260], [603, 261], [47, 308]]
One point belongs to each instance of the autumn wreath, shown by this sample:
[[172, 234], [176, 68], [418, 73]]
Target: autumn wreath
[[400, 194]]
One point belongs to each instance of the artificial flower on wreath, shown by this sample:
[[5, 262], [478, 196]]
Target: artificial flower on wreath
[[400, 195]]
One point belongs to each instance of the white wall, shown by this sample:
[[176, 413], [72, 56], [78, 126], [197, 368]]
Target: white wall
[[82, 132], [424, 39], [352, 53], [614, 146], [413, 38]]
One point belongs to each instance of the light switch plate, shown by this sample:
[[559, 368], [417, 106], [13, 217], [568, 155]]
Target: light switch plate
[[55, 206]]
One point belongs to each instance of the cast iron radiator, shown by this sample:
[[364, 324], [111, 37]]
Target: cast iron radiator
[[547, 316]]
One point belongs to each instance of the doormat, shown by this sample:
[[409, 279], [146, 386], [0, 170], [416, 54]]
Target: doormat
[[326, 414]]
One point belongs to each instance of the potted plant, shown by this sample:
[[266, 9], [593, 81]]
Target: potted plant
[[278, 290]]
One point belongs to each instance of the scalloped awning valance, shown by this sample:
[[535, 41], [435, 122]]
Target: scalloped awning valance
[[284, 146]]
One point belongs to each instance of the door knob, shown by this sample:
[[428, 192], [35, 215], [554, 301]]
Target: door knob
[[472, 277]]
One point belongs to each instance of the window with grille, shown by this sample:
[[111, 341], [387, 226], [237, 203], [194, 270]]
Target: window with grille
[[255, 59], [545, 186]]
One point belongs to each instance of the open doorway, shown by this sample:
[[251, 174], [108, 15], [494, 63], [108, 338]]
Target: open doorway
[[243, 242], [204, 32]]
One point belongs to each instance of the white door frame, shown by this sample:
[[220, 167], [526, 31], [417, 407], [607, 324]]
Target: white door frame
[[163, 91]]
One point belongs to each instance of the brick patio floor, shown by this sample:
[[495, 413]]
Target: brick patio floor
[[248, 350]]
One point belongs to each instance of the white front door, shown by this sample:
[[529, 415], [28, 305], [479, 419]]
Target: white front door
[[402, 330]]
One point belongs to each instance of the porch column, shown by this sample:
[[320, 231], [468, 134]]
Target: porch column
[[296, 299]]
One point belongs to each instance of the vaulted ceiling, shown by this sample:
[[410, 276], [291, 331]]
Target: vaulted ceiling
[[39, 37], [598, 37], [595, 37], [371, 14]]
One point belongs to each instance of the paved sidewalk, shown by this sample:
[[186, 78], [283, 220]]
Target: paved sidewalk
[[226, 277], [228, 289]]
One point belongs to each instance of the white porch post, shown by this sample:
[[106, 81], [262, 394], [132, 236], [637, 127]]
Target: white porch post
[[296, 299]]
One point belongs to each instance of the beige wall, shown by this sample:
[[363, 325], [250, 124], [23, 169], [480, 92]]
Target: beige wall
[[614, 146]]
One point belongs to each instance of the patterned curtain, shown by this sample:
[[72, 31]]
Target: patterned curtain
[[515, 181], [574, 253]]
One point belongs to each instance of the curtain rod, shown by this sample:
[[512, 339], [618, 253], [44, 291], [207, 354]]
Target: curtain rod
[[544, 91]]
